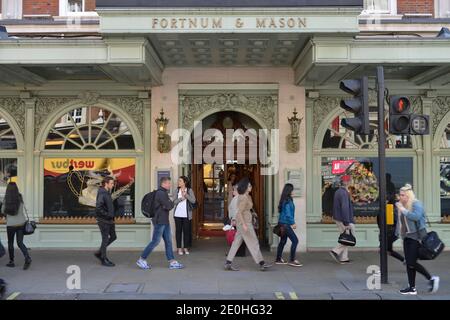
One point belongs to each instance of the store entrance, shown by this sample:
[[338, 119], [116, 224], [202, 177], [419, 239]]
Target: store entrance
[[212, 182]]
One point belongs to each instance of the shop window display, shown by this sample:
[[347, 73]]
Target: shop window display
[[71, 185]]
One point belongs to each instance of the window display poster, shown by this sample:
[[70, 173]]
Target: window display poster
[[71, 185]]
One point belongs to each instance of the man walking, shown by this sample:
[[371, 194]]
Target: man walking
[[104, 212], [343, 216], [161, 227]]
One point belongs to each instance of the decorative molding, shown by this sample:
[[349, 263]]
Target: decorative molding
[[134, 107], [441, 106], [46, 106], [15, 107], [89, 98], [322, 108], [193, 107]]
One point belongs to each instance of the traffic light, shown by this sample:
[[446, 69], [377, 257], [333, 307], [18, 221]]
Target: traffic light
[[399, 115], [401, 121], [358, 105]]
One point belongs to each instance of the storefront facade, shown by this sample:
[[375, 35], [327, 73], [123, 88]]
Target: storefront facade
[[75, 110]]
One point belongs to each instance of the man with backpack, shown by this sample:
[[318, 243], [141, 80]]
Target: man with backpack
[[157, 206]]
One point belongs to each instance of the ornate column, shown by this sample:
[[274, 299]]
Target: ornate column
[[30, 174]]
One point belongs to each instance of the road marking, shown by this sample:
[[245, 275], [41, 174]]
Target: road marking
[[279, 296], [13, 296], [293, 296]]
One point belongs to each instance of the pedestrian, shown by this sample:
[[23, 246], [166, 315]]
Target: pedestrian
[[412, 229], [343, 217], [2, 282], [233, 205], [104, 212], [13, 208], [245, 228], [286, 220], [161, 227], [184, 206]]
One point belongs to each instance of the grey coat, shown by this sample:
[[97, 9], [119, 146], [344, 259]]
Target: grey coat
[[189, 197], [163, 205], [17, 220], [343, 207]]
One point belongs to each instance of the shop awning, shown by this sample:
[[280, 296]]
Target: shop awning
[[324, 61]]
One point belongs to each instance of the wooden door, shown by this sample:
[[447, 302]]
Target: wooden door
[[197, 186]]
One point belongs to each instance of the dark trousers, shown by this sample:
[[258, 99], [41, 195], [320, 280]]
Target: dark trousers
[[288, 232], [12, 232], [108, 231], [183, 231], [411, 248]]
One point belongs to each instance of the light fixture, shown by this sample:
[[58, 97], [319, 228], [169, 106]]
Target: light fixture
[[163, 138], [293, 140]]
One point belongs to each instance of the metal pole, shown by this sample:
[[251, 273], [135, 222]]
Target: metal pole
[[382, 178]]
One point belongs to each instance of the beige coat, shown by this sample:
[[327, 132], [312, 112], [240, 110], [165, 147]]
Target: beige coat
[[245, 204]]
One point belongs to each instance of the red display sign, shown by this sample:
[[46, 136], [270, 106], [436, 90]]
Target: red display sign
[[339, 166]]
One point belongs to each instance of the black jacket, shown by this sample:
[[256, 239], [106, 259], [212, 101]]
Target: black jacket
[[163, 205], [104, 209]]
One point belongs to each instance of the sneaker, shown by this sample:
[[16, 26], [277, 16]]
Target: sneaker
[[280, 261], [295, 263], [186, 251], [175, 265], [230, 267], [180, 252], [264, 267], [107, 263], [11, 264], [410, 291], [434, 284], [335, 256], [345, 262], [141, 263]]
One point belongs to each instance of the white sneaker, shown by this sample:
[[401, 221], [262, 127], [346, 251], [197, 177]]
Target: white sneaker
[[434, 284], [141, 263]]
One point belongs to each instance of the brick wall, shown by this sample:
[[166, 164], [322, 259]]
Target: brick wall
[[41, 7], [89, 5], [415, 6]]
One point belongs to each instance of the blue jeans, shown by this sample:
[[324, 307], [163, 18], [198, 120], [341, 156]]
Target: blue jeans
[[288, 233], [160, 231]]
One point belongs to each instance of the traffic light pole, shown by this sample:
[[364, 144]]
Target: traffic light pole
[[382, 179]]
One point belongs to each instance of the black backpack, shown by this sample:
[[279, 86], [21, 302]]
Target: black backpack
[[431, 246], [148, 204]]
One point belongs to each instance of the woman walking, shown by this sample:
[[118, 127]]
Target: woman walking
[[411, 226], [15, 221], [286, 221], [184, 205], [245, 229]]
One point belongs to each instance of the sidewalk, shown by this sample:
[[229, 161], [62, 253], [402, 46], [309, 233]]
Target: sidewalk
[[204, 277]]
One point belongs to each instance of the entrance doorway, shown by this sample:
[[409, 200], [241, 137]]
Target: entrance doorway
[[212, 182]]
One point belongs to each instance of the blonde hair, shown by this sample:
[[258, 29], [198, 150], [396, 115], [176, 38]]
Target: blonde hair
[[407, 189]]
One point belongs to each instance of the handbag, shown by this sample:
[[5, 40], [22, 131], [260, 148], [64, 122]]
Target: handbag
[[279, 230], [29, 226], [347, 238], [431, 245], [230, 234]]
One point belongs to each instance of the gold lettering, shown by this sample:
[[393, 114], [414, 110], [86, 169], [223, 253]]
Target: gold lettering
[[164, 23], [239, 23], [302, 22], [173, 24], [204, 22], [291, 23], [272, 23], [217, 23], [154, 23], [282, 23], [192, 23], [260, 23], [182, 20]]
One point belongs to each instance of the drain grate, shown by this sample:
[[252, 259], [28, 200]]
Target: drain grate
[[124, 288]]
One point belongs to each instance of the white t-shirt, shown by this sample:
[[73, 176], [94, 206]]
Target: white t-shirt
[[233, 208], [181, 210]]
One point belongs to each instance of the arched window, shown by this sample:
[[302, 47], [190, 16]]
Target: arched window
[[90, 128], [82, 147], [7, 138], [338, 137]]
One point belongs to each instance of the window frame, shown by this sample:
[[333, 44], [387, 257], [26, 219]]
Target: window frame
[[392, 9], [64, 12], [441, 9]]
